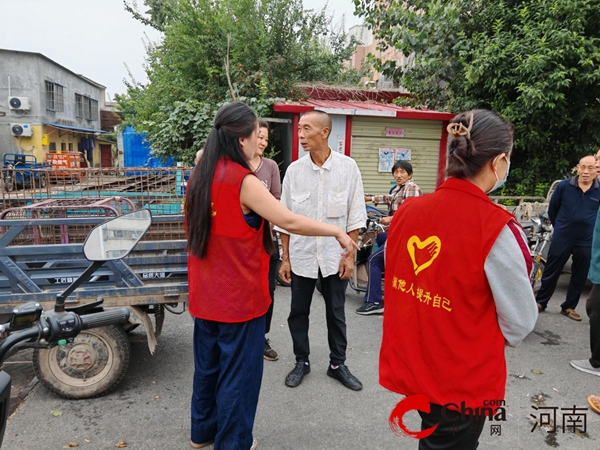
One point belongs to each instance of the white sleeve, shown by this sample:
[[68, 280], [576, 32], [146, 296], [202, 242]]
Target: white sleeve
[[357, 211], [506, 270]]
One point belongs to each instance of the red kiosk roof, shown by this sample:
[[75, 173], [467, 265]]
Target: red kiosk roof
[[353, 108]]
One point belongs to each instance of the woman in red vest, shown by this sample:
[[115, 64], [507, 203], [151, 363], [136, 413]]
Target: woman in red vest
[[457, 291], [229, 241]]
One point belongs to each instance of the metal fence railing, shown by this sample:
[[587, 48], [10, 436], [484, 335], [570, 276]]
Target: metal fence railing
[[41, 194], [162, 190]]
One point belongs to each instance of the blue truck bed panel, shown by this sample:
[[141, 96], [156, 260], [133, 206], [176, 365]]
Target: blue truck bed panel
[[155, 272]]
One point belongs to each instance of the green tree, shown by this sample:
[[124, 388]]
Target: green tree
[[265, 47], [536, 62]]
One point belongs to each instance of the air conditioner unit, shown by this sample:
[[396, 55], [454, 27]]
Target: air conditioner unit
[[21, 103], [21, 129]]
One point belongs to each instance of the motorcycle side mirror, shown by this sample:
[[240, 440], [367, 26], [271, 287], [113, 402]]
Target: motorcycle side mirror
[[116, 238], [109, 241]]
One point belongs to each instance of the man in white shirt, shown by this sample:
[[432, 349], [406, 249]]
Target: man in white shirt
[[325, 186]]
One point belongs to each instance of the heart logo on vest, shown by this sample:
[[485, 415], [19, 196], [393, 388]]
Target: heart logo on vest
[[428, 250]]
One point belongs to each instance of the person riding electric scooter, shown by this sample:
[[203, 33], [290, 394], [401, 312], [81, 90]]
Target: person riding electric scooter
[[406, 188]]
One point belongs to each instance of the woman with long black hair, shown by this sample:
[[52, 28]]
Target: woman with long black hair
[[228, 211]]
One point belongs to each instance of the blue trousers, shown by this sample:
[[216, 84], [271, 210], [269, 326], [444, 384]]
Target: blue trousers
[[374, 293], [228, 362]]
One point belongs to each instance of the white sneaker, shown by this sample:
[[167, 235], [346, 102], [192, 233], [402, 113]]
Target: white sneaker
[[585, 366], [254, 445]]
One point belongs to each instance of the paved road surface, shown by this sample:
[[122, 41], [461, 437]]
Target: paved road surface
[[150, 408]]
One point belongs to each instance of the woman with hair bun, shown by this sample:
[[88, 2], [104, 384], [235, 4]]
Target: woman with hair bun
[[457, 288], [228, 210]]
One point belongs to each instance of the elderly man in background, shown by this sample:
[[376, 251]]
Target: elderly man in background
[[572, 211]]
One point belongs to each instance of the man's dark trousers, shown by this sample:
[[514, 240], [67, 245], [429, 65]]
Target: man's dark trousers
[[592, 307], [334, 293], [558, 255]]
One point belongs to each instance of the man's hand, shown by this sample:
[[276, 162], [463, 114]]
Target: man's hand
[[285, 270], [347, 262], [385, 220], [347, 266]]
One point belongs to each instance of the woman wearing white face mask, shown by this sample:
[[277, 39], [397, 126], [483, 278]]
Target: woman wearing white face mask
[[457, 287]]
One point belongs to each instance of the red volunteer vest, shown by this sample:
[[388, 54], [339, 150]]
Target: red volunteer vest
[[441, 336], [231, 283]]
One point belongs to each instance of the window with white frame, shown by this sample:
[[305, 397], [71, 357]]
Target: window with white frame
[[54, 97], [50, 104], [59, 100], [86, 107], [79, 111], [93, 109]]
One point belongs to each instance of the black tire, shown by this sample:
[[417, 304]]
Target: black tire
[[9, 184], [280, 280], [42, 181], [105, 349]]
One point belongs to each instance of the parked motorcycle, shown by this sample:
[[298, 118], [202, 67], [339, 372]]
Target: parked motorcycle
[[366, 246], [540, 236], [367, 238], [8, 178], [109, 241]]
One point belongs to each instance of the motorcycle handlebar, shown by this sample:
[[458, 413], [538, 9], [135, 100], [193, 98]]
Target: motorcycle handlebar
[[101, 319], [12, 340]]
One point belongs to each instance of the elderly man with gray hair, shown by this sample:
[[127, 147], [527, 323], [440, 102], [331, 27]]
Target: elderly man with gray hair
[[572, 211]]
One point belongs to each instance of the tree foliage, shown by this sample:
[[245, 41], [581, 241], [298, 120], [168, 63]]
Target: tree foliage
[[270, 46], [536, 62]]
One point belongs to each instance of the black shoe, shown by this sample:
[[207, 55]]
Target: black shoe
[[343, 375], [370, 308], [294, 378], [270, 354]]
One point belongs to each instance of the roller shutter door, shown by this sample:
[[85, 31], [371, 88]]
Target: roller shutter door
[[421, 136]]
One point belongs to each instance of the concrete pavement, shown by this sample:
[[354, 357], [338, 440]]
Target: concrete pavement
[[150, 408]]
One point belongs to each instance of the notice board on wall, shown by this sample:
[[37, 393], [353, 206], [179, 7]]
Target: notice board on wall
[[388, 156]]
